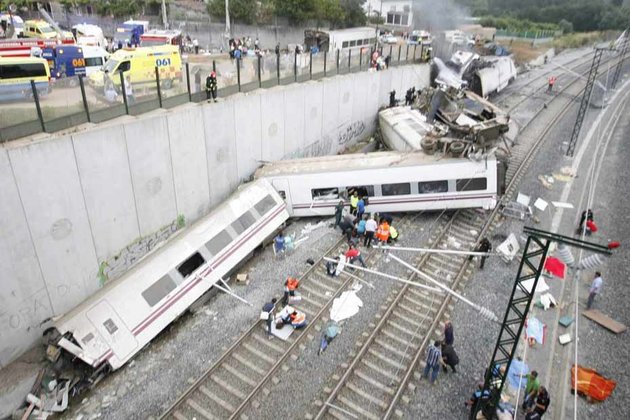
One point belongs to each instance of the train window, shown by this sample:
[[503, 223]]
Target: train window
[[283, 195], [353, 43], [344, 44], [325, 193], [432, 187], [266, 204], [396, 189], [89, 337], [241, 224], [363, 190], [110, 326], [472, 184], [218, 243], [158, 290], [191, 264]]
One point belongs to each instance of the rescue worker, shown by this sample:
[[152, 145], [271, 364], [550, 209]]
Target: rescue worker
[[354, 203], [290, 286], [483, 246], [480, 394], [382, 233], [268, 308], [338, 212], [279, 244], [393, 234], [552, 81], [354, 254], [211, 86], [298, 320]]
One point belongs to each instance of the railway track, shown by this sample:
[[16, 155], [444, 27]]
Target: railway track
[[380, 371], [240, 374]]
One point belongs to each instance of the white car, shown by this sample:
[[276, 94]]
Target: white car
[[389, 39]]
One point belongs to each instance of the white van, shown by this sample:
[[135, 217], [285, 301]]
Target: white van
[[95, 58], [88, 34]]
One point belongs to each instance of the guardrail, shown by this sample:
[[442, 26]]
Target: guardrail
[[78, 99]]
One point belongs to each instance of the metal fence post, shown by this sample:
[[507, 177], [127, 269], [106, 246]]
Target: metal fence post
[[157, 83], [37, 106], [85, 103], [414, 52], [360, 58], [124, 91], [407, 54], [325, 59], [421, 52], [310, 66], [238, 73], [295, 54], [380, 52], [349, 59], [278, 66], [188, 82], [259, 76], [337, 61], [214, 66], [399, 49]]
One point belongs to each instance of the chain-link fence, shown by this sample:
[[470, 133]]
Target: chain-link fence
[[34, 107]]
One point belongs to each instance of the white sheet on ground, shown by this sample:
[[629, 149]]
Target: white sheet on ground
[[347, 305], [540, 287]]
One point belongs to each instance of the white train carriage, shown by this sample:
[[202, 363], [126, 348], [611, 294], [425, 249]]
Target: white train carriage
[[110, 327], [494, 78], [393, 181]]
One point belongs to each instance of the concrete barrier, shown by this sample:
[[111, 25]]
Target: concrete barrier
[[79, 209]]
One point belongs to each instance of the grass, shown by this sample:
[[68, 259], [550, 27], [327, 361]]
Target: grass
[[581, 39]]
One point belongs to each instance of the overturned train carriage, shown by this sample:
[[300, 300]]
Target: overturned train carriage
[[110, 327]]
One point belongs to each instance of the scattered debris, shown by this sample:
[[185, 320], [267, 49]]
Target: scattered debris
[[605, 321], [545, 182], [535, 331], [541, 287], [310, 227], [564, 338], [556, 267], [547, 300], [566, 321], [242, 278], [509, 248], [562, 205], [541, 204], [347, 304]]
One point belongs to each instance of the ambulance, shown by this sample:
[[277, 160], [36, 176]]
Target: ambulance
[[139, 64]]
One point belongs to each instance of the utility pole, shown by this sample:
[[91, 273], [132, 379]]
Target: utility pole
[[164, 16], [227, 23]]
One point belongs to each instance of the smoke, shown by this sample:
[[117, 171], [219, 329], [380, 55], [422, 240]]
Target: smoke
[[438, 15]]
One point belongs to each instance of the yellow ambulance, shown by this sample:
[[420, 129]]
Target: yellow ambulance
[[42, 29], [139, 64]]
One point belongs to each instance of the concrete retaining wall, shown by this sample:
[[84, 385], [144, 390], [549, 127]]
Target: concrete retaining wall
[[79, 209]]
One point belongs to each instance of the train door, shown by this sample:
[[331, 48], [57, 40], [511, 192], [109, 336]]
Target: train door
[[282, 187], [112, 329]]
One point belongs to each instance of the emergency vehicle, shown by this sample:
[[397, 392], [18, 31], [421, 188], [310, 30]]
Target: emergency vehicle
[[16, 74], [139, 64], [25, 47], [42, 29], [156, 37]]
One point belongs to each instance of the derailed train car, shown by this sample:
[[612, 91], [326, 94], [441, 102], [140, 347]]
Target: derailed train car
[[392, 181], [110, 327]]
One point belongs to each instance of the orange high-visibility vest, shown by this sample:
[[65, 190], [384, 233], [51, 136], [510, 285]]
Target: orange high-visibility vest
[[292, 283], [297, 319], [383, 231]]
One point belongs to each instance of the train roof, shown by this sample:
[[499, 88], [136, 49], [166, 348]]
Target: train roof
[[183, 243], [354, 162]]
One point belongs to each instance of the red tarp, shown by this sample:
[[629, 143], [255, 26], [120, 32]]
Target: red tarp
[[591, 383], [555, 267]]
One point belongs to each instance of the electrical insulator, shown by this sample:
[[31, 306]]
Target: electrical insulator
[[565, 255], [591, 262]]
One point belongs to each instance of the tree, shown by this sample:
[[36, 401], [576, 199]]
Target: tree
[[244, 11], [566, 26], [297, 11], [329, 11], [353, 11]]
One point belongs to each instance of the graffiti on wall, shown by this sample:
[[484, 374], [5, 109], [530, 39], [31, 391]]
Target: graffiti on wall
[[351, 132], [332, 142], [117, 265]]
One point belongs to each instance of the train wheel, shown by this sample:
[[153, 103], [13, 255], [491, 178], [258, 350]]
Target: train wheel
[[428, 145], [457, 148]]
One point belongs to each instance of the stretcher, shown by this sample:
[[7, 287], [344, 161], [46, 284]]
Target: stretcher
[[591, 384]]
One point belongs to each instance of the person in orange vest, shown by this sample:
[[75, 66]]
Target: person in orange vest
[[382, 234], [290, 286], [298, 320], [552, 81]]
